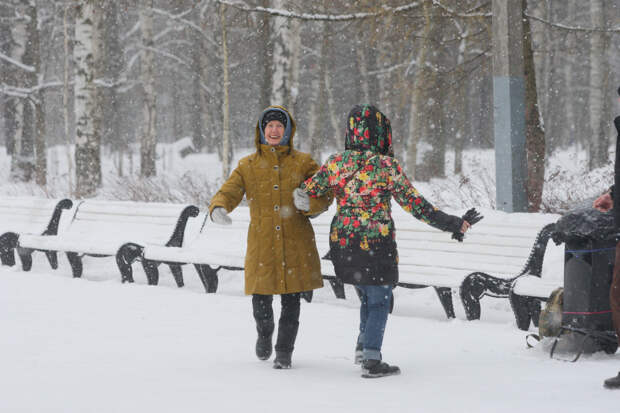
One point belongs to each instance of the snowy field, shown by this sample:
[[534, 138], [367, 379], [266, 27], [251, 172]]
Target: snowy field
[[96, 345]]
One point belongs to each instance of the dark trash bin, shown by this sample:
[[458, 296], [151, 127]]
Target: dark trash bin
[[589, 254]]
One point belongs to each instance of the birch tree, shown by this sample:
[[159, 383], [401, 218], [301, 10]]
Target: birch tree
[[148, 142], [87, 141], [281, 82]]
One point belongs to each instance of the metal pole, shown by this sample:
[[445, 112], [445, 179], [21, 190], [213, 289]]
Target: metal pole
[[509, 106]]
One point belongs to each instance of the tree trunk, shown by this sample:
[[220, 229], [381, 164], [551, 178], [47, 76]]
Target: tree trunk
[[460, 104], [417, 96], [314, 137], [148, 144], [38, 98], [265, 58], [197, 110], [534, 133], [207, 97], [569, 130], [226, 145], [295, 47], [281, 82], [22, 160], [360, 53], [435, 162], [114, 62], [598, 151], [87, 144], [66, 95]]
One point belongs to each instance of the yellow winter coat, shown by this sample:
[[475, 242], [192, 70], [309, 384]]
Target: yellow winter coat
[[281, 252]]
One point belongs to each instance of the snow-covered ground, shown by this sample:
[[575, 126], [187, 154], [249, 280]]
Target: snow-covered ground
[[96, 345]]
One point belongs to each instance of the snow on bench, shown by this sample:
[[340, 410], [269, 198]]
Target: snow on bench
[[27, 215], [500, 245], [115, 228]]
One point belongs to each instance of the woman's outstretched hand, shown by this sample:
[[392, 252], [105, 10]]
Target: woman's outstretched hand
[[469, 218]]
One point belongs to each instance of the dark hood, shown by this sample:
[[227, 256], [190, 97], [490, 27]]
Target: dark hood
[[368, 130]]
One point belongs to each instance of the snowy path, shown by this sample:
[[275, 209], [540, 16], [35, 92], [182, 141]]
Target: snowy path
[[95, 345]]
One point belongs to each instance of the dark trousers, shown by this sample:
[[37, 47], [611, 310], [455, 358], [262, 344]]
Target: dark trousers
[[289, 319], [614, 294]]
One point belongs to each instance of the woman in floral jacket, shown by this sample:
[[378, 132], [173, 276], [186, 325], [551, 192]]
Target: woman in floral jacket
[[363, 179]]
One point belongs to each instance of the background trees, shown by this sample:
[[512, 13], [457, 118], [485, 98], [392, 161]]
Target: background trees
[[118, 76]]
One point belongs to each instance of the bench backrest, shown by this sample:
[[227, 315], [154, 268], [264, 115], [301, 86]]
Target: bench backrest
[[120, 221], [499, 245], [26, 215]]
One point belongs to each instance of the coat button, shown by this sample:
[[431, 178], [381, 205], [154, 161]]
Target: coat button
[[273, 149], [277, 227], [275, 167], [276, 207], [275, 187]]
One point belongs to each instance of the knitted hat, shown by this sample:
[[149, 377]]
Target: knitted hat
[[273, 115]]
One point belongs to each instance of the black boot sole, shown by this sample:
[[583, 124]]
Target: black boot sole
[[369, 375]]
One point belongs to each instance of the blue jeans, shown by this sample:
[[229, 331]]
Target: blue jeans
[[374, 309]]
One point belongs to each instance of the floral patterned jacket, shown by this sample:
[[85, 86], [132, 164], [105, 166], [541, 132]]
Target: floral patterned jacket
[[363, 179]]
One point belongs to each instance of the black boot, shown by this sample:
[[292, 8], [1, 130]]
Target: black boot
[[376, 368], [359, 353], [612, 383], [282, 360], [264, 347], [263, 315]]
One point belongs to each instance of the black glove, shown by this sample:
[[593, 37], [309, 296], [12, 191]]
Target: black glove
[[472, 216]]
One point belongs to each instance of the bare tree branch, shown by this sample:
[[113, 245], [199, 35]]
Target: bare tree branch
[[574, 28], [16, 63], [452, 12], [189, 23], [321, 17]]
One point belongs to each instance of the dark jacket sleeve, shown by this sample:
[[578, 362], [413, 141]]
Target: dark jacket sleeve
[[413, 202], [446, 222]]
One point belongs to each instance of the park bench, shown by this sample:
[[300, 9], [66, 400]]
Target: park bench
[[25, 215], [115, 228], [498, 245]]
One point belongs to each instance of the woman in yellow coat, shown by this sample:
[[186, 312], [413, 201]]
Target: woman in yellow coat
[[281, 253]]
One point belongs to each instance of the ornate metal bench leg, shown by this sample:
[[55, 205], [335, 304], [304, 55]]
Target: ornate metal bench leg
[[76, 264], [177, 272], [307, 295], [151, 270], [534, 307], [25, 256], [337, 287], [208, 276], [8, 241], [52, 258], [445, 296], [125, 257], [521, 309]]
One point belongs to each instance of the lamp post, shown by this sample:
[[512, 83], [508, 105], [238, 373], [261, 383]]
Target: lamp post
[[509, 106]]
